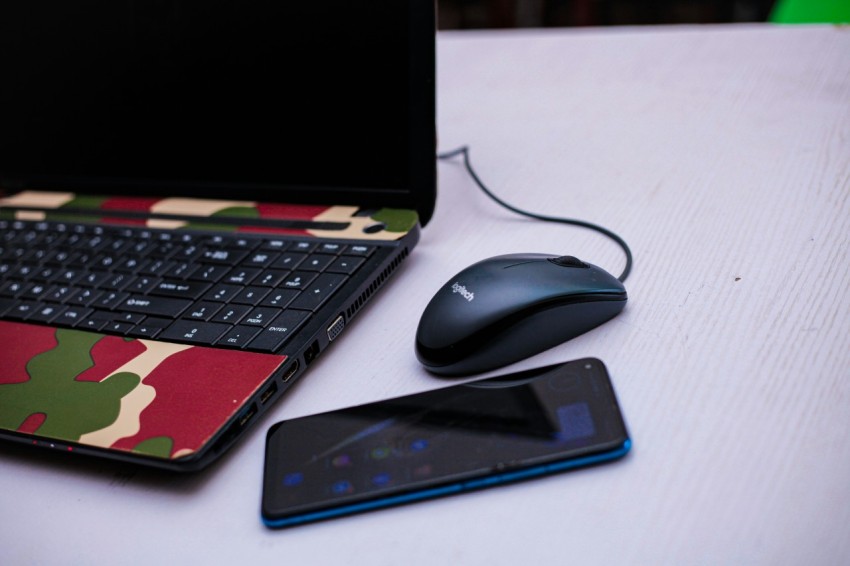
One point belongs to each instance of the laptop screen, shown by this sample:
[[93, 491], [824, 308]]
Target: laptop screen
[[328, 102]]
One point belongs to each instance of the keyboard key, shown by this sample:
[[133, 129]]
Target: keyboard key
[[229, 257], [279, 298], [94, 278], [117, 327], [182, 270], [116, 282], [260, 316], [330, 248], [142, 284], [157, 267], [232, 314], [46, 313], [72, 316], [110, 300], [222, 293], [105, 261], [288, 260], [317, 262], [251, 296], [274, 245], [58, 257], [271, 278], [163, 249], [154, 306], [241, 276], [180, 289], [239, 336], [23, 272], [59, 293], [261, 258], [318, 292], [13, 288], [194, 332], [202, 311], [96, 321], [46, 274], [210, 273], [131, 317], [273, 336], [150, 328], [345, 264], [22, 310], [360, 250], [188, 253], [35, 291], [298, 280], [303, 246], [241, 243], [84, 297]]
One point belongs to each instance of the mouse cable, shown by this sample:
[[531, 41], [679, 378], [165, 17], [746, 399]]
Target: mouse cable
[[464, 150]]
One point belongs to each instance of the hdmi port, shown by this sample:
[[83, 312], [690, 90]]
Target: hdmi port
[[290, 371]]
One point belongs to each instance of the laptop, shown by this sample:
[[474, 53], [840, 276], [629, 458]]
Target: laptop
[[196, 199]]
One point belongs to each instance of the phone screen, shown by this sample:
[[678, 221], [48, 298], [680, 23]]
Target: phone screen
[[440, 442]]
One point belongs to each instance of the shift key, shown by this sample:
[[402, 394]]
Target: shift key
[[154, 306]]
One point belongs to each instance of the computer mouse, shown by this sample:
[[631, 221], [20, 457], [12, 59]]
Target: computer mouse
[[509, 307]]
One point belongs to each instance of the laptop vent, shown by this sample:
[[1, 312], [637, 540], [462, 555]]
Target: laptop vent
[[376, 284]]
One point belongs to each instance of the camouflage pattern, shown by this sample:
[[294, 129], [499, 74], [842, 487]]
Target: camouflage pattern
[[148, 397], [144, 396], [204, 214]]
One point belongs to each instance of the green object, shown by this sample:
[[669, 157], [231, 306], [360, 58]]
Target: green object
[[71, 407], [160, 446], [396, 219], [811, 12]]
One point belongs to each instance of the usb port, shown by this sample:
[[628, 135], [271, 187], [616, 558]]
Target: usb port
[[247, 415], [267, 394]]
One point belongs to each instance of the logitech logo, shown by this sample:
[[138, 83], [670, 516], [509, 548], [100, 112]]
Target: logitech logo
[[463, 291]]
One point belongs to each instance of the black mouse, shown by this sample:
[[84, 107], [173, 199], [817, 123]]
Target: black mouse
[[506, 308]]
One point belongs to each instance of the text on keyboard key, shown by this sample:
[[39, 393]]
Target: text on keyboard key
[[279, 331], [319, 291], [194, 332], [154, 306]]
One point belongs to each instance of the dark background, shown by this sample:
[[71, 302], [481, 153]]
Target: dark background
[[468, 14]]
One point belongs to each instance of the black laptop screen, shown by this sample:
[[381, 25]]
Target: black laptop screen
[[273, 100]]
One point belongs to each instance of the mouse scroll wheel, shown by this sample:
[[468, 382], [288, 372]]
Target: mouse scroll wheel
[[568, 261]]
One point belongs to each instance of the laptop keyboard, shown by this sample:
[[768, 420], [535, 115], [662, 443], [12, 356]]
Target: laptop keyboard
[[227, 290]]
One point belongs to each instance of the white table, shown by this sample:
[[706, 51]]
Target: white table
[[722, 154]]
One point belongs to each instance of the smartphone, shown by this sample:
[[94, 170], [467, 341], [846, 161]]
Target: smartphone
[[462, 437]]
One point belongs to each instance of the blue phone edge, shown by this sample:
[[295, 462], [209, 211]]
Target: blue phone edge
[[468, 485]]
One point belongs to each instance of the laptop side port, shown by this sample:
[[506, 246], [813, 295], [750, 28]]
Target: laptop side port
[[290, 371], [335, 329], [247, 415], [312, 352], [268, 393]]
